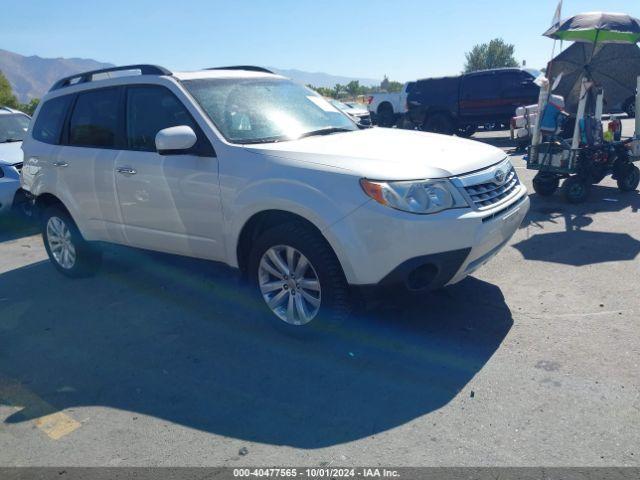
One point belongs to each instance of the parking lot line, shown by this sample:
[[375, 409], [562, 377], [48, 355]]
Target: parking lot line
[[44, 415]]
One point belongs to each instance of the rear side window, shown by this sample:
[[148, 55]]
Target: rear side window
[[94, 121], [149, 110], [50, 120]]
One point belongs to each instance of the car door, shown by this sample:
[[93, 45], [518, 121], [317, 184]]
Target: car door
[[516, 89], [169, 202], [479, 97], [85, 160]]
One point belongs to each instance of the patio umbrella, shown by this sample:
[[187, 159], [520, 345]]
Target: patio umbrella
[[597, 27], [615, 67]]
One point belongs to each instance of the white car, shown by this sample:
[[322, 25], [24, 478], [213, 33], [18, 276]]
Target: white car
[[248, 168], [386, 108], [13, 128], [354, 110]]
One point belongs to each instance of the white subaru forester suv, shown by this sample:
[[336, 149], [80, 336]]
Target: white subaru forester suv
[[245, 167]]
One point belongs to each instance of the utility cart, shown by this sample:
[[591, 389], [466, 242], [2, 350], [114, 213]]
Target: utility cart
[[591, 154], [585, 160]]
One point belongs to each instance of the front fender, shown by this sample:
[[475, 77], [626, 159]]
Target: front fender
[[314, 203]]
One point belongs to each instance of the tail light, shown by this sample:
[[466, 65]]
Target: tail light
[[369, 100]]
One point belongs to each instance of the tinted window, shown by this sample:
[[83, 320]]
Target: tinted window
[[513, 84], [94, 121], [149, 110], [481, 86], [50, 119]]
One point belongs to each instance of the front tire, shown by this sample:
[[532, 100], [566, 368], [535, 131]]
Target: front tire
[[545, 184], [439, 123], [70, 254], [299, 278], [467, 131], [576, 189]]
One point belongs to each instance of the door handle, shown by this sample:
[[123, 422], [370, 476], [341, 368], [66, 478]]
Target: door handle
[[60, 164], [126, 170]]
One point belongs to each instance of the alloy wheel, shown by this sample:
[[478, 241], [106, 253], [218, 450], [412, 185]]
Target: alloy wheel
[[61, 243], [289, 285]]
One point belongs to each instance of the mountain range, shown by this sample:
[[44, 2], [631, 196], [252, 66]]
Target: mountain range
[[31, 76]]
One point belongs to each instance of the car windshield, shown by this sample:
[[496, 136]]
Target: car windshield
[[13, 127], [260, 110]]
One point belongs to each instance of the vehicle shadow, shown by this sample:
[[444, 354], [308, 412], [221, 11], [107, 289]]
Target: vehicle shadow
[[577, 245], [13, 227], [181, 340]]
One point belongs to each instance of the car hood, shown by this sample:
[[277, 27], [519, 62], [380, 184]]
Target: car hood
[[388, 154], [10, 153]]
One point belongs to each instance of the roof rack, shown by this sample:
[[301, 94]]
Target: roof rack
[[86, 77], [248, 68]]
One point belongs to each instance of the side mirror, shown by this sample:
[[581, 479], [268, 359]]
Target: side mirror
[[175, 140]]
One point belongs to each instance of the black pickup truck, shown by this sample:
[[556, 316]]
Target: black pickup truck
[[460, 104]]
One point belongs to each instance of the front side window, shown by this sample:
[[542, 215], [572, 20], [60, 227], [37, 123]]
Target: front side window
[[13, 127], [149, 110], [480, 87], [259, 110], [94, 121], [50, 119]]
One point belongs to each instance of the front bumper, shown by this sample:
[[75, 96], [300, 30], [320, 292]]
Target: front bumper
[[377, 245]]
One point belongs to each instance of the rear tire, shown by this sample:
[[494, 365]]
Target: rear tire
[[439, 123], [326, 284], [385, 116], [69, 253], [575, 189], [545, 184], [629, 178]]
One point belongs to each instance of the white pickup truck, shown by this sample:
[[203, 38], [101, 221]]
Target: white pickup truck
[[386, 108]]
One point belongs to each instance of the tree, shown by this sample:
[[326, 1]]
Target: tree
[[29, 108], [7, 98], [387, 85], [325, 92], [353, 88], [495, 54]]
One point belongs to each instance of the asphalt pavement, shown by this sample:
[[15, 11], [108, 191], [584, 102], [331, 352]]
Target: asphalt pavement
[[160, 360]]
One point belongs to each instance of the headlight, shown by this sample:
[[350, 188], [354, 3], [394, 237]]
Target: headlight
[[416, 196]]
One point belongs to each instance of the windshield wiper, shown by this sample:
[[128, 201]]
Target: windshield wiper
[[326, 131], [11, 140], [262, 140]]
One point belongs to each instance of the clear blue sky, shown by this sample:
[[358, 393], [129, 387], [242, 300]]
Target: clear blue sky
[[364, 38]]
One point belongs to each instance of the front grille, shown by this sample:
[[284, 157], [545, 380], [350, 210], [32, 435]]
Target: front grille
[[484, 195]]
